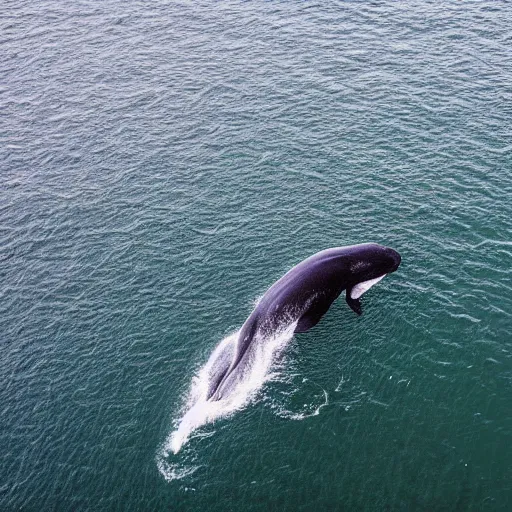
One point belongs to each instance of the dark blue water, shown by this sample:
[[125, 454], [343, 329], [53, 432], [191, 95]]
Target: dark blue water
[[162, 164]]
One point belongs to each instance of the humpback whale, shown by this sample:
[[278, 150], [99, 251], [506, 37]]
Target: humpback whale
[[303, 295]]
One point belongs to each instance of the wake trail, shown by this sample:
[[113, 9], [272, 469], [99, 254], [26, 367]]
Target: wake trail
[[251, 376]]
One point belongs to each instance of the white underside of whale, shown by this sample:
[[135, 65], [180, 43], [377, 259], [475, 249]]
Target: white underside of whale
[[360, 288]]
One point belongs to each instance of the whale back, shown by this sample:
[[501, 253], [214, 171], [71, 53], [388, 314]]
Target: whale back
[[305, 293]]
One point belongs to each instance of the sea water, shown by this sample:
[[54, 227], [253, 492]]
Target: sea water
[[163, 163]]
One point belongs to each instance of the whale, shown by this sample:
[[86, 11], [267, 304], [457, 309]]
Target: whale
[[302, 297]]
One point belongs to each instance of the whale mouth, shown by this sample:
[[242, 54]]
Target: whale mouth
[[364, 286]]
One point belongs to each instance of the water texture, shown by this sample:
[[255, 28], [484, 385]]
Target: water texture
[[163, 163]]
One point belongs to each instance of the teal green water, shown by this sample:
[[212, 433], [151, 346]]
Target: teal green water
[[164, 163]]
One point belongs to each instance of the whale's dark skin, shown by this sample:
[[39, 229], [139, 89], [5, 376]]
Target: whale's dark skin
[[305, 293]]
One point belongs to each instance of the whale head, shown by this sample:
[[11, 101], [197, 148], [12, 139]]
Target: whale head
[[384, 260], [369, 263]]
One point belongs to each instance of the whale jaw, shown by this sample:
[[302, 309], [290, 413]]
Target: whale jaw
[[364, 286]]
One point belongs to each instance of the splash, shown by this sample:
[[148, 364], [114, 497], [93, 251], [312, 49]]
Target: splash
[[173, 471], [199, 411], [299, 399]]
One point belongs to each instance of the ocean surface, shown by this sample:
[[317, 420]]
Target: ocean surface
[[163, 163]]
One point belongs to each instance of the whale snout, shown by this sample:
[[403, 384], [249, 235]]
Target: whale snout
[[396, 259]]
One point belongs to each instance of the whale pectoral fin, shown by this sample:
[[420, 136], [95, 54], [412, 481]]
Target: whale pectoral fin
[[354, 304]]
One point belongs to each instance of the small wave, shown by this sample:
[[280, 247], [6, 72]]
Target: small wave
[[173, 471], [307, 410]]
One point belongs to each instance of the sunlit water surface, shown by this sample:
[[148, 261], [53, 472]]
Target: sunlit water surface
[[162, 164]]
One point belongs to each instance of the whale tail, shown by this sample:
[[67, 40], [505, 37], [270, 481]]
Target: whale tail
[[246, 335], [214, 393], [235, 390]]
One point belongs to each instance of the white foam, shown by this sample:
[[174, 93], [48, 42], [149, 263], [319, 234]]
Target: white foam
[[295, 392], [173, 471], [303, 415], [200, 411]]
